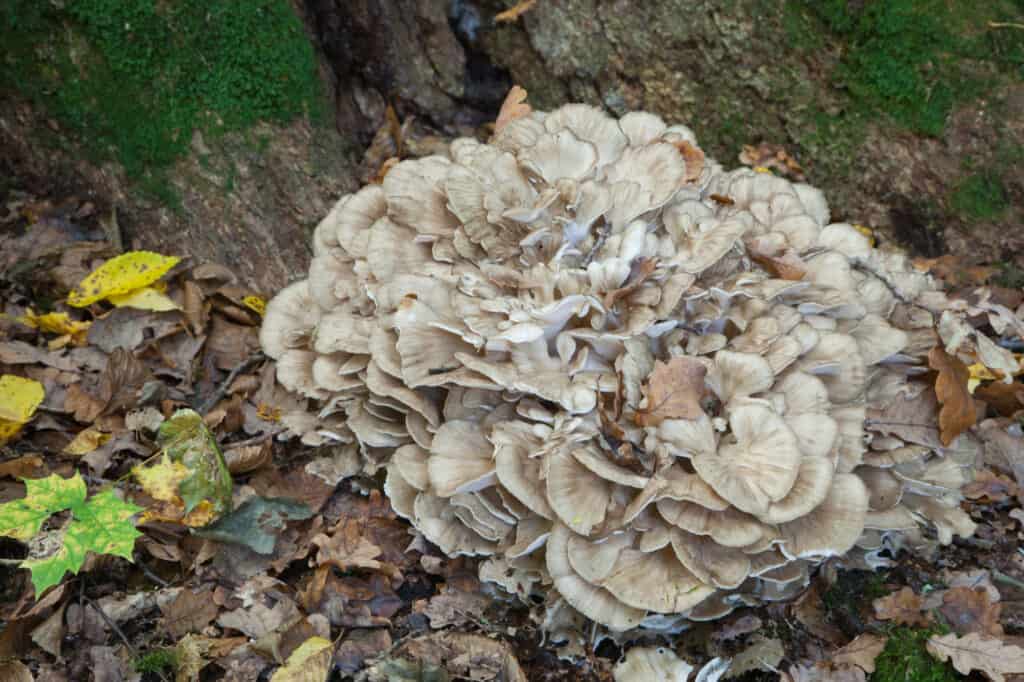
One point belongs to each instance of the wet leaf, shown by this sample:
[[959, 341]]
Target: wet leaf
[[100, 524], [19, 398], [121, 275], [673, 391], [256, 522], [958, 413], [978, 652], [311, 662], [513, 107], [903, 607]]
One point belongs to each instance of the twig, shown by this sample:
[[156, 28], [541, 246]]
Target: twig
[[11, 562], [222, 390], [1005, 24], [255, 440], [150, 574], [111, 624]]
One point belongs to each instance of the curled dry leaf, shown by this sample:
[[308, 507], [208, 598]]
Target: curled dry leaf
[[903, 607], [673, 391], [861, 652], [514, 12], [513, 107], [958, 413], [972, 652]]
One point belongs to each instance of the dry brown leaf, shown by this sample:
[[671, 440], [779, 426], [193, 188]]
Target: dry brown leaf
[[247, 458], [951, 270], [786, 265], [1006, 399], [971, 610], [958, 413], [978, 652], [15, 671], [189, 612], [29, 466], [513, 107], [912, 419], [989, 486], [861, 652], [514, 12], [645, 267], [673, 391], [768, 155], [694, 158], [346, 549], [903, 607]]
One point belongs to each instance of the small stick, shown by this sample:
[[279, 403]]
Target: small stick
[[222, 390], [111, 624]]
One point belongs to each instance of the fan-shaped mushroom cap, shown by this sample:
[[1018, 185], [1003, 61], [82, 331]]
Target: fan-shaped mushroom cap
[[497, 328]]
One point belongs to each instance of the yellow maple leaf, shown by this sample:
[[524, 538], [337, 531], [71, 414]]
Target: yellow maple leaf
[[121, 275], [19, 398]]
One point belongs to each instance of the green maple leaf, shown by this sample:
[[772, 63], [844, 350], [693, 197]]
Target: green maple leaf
[[102, 525]]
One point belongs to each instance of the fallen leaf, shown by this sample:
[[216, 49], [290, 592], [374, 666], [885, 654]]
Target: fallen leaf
[[514, 12], [971, 610], [785, 265], [903, 607], [86, 441], [645, 267], [257, 304], [121, 275], [988, 486], [673, 391], [347, 549], [1006, 399], [978, 652], [15, 671], [146, 298], [763, 653], [19, 398], [694, 159], [358, 646], [958, 413], [255, 521], [768, 155], [513, 107], [913, 419], [447, 655], [311, 662], [861, 652], [190, 611], [58, 323], [29, 466]]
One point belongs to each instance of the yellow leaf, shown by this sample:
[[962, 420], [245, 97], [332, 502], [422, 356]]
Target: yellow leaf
[[311, 662], [867, 232], [19, 398], [161, 481], [57, 323], [979, 373], [255, 303], [147, 298], [121, 275], [86, 441], [762, 169]]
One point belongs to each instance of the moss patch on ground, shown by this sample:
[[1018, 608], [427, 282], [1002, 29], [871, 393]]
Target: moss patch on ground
[[132, 79], [913, 60], [905, 658]]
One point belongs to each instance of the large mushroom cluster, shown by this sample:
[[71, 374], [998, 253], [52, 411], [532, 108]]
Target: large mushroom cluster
[[636, 382]]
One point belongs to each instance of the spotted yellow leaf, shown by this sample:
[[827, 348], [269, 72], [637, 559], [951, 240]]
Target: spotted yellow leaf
[[121, 275], [19, 398], [255, 303], [146, 298], [57, 323]]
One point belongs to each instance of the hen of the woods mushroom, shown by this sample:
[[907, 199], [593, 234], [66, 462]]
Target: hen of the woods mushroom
[[647, 389]]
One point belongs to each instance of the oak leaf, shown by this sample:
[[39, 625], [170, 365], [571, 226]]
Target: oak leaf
[[861, 652], [903, 607], [958, 413], [971, 610], [978, 652], [673, 391]]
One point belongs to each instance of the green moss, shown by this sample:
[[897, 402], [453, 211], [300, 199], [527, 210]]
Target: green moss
[[905, 658], [156, 661], [979, 196], [135, 78], [912, 60]]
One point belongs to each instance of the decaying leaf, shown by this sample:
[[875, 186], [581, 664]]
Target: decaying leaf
[[861, 652], [958, 413], [121, 275], [971, 610], [255, 522], [186, 439], [161, 481], [514, 12], [972, 652], [673, 391], [513, 107], [19, 398], [903, 607]]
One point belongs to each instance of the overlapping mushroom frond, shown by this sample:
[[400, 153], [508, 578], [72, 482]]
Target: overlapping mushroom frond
[[636, 381]]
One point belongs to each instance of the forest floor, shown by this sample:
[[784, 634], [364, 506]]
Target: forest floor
[[309, 552]]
